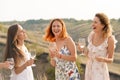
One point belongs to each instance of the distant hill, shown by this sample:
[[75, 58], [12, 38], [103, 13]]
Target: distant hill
[[76, 28], [35, 31]]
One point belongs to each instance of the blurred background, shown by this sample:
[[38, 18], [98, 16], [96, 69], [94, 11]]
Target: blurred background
[[35, 15]]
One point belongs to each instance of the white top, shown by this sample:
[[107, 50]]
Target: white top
[[27, 73], [96, 70]]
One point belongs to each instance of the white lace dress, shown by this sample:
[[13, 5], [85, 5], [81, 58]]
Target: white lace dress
[[96, 70], [27, 73]]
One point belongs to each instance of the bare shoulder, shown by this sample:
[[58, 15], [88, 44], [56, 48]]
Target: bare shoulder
[[68, 40], [111, 39], [69, 43]]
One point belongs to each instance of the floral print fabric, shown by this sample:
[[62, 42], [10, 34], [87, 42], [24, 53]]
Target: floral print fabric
[[66, 70]]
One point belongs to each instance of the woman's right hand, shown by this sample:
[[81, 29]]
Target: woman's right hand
[[78, 47], [52, 53], [52, 62], [29, 62], [84, 50], [6, 64]]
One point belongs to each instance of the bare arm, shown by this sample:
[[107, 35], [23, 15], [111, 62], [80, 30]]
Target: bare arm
[[110, 52], [52, 62], [5, 64], [19, 69], [72, 48], [52, 55]]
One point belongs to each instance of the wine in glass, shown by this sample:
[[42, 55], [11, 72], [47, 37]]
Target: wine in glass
[[82, 44], [11, 61], [33, 55], [53, 47]]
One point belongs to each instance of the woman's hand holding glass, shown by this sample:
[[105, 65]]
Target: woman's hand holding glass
[[11, 62], [53, 50], [52, 54], [81, 45], [6, 64], [100, 58], [33, 55], [29, 62]]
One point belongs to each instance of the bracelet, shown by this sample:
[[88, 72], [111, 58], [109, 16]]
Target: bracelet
[[60, 56]]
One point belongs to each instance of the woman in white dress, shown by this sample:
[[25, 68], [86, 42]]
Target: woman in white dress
[[16, 49], [101, 45]]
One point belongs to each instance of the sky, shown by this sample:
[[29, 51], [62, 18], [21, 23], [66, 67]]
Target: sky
[[22, 10]]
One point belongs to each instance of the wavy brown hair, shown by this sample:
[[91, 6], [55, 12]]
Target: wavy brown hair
[[49, 36], [11, 50], [107, 30]]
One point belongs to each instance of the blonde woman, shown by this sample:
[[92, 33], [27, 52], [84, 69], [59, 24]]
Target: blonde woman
[[101, 45]]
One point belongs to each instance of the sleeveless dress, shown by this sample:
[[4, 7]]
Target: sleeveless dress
[[66, 70], [96, 70], [27, 73], [1, 78]]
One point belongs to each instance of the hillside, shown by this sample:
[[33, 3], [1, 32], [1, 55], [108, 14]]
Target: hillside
[[35, 31], [75, 28]]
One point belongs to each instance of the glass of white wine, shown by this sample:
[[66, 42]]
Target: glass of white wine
[[33, 55], [53, 47], [82, 44]]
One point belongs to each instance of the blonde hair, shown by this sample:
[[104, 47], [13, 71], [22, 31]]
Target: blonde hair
[[107, 30], [49, 36]]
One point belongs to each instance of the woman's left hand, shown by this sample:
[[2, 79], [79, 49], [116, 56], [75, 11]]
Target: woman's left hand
[[58, 55], [52, 53], [100, 59], [78, 47]]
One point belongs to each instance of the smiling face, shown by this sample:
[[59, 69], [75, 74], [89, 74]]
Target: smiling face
[[56, 28], [96, 25]]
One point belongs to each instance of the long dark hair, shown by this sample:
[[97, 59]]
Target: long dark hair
[[11, 49]]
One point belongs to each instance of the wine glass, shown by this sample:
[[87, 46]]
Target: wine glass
[[33, 55], [53, 47], [82, 44], [11, 61]]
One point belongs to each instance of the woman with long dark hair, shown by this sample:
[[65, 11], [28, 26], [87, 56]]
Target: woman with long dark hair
[[16, 49]]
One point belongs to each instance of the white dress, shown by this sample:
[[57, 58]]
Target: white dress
[[96, 70], [27, 73], [1, 77]]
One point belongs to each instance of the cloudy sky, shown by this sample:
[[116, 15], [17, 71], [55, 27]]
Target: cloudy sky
[[22, 10]]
